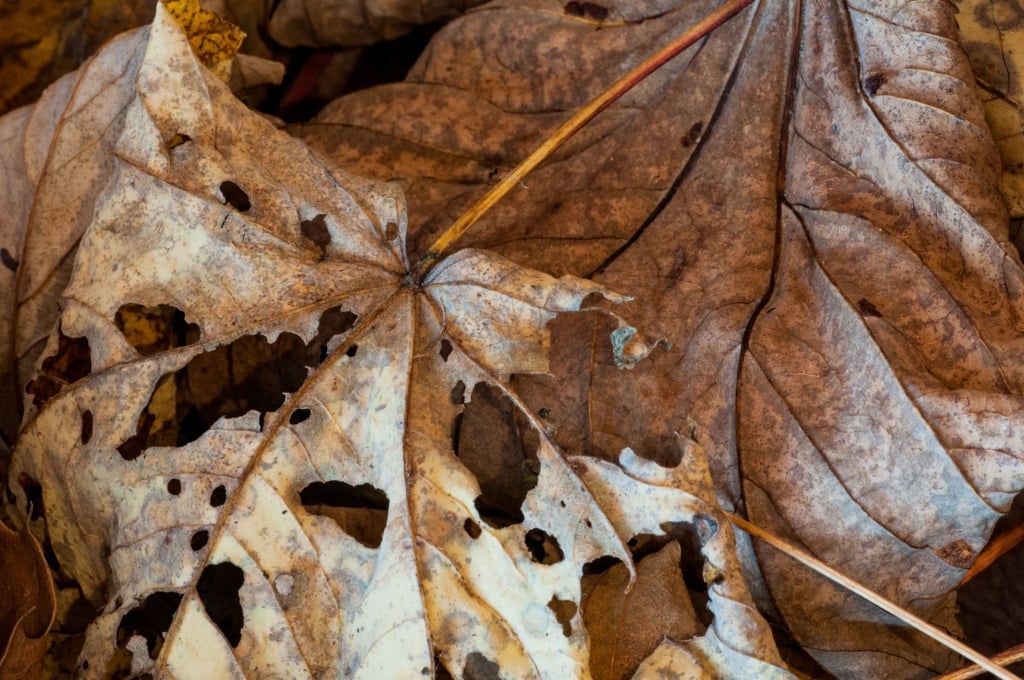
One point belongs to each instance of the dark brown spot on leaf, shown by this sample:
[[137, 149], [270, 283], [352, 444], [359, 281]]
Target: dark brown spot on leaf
[[391, 231], [958, 553]]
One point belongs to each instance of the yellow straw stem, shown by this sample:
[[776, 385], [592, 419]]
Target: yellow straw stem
[[874, 598], [573, 125]]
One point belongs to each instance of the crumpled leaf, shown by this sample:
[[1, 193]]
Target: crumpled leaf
[[642, 497], [208, 540], [825, 247], [27, 604]]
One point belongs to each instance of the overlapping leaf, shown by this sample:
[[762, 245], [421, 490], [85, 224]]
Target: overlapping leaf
[[825, 246], [243, 242]]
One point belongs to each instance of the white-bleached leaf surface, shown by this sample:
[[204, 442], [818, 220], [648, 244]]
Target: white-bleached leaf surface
[[270, 486]]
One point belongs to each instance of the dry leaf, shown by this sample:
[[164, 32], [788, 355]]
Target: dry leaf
[[27, 605], [992, 34], [642, 497], [307, 514], [356, 22], [826, 248], [626, 624]]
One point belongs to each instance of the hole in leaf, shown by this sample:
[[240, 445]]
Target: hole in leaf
[[155, 329], [199, 539], [543, 547], [458, 395], [472, 528], [351, 351], [589, 10], [218, 588], [70, 363], [86, 426], [446, 349], [218, 496], [316, 231], [692, 135], [151, 619], [250, 373], [299, 415], [872, 83], [33, 491], [564, 611], [174, 487], [440, 670], [488, 442], [600, 565], [479, 667], [8, 260], [361, 511], [391, 231], [235, 196], [177, 140], [866, 308]]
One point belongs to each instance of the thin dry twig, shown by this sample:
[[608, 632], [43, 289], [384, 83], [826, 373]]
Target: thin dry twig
[[1005, 658], [574, 124], [874, 598], [998, 547]]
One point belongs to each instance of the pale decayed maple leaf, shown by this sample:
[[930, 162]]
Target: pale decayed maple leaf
[[212, 212]]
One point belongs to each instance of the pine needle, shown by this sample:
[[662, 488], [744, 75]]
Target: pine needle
[[573, 125], [1011, 655], [874, 598]]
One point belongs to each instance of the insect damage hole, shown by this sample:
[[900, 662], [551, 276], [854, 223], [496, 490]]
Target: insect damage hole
[[86, 427], [155, 328], [218, 496], [151, 619], [446, 349], [487, 440], [218, 589], [543, 547], [316, 231], [250, 373], [235, 196], [299, 415], [71, 362], [199, 539], [564, 611], [361, 511]]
